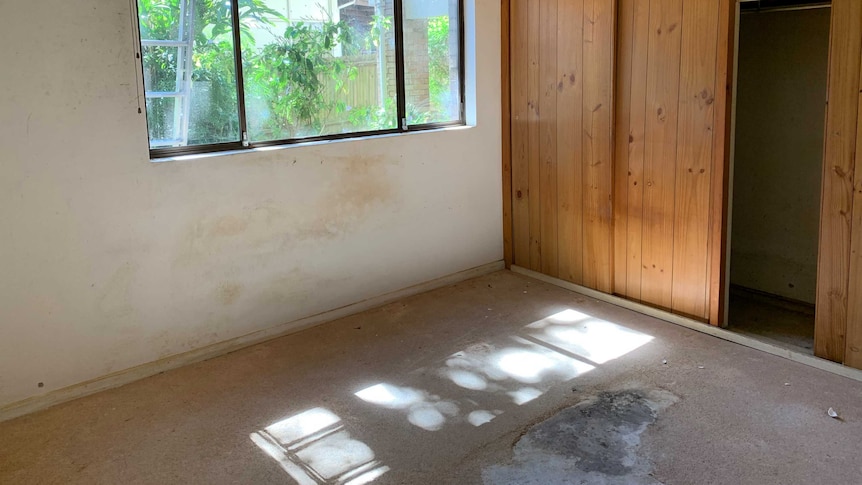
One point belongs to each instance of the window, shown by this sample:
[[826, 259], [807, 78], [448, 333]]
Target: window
[[227, 74]]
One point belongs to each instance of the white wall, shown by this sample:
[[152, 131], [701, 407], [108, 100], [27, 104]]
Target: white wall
[[108, 260], [781, 109]]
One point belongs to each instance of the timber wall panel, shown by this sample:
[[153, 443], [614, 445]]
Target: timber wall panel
[[853, 344], [599, 32], [570, 200], [534, 120], [548, 135], [622, 103], [836, 215], [520, 36], [663, 79], [695, 162], [718, 242], [635, 144], [562, 77], [666, 92], [615, 105]]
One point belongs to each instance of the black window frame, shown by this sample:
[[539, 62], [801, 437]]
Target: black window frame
[[401, 98]]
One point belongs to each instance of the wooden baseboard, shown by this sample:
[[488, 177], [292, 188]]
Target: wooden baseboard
[[37, 403], [721, 333]]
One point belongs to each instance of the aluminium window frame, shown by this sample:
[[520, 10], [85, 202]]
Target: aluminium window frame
[[401, 94]]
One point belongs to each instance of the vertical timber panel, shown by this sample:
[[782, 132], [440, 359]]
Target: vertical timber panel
[[570, 35], [622, 106], [672, 139], [535, 164], [845, 49], [520, 131], [548, 84], [853, 345], [506, 100], [636, 147], [717, 270], [694, 157], [660, 151], [599, 32], [562, 83]]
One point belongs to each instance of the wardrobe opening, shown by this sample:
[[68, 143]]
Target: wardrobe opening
[[780, 108]]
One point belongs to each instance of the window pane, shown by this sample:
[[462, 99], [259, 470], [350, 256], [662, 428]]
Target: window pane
[[162, 119], [160, 69], [431, 61], [315, 68], [160, 20], [189, 71]]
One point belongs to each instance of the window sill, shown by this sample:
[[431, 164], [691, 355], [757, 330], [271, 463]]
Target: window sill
[[273, 148]]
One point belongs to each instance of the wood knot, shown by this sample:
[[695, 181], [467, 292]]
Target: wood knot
[[839, 171]]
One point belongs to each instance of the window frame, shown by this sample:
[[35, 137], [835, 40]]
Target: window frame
[[245, 144]]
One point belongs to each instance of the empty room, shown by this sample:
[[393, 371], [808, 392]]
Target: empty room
[[430, 242]]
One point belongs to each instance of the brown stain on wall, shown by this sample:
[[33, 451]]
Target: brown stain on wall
[[228, 293], [358, 187], [228, 226]]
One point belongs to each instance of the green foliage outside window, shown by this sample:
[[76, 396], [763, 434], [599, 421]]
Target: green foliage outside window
[[438, 67], [287, 76]]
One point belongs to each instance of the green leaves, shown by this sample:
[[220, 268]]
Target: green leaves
[[289, 74]]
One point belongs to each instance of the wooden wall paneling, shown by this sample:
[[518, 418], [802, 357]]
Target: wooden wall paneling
[[570, 36], [636, 147], [853, 344], [506, 113], [622, 107], [548, 87], [845, 49], [717, 268], [535, 164], [521, 115], [599, 42], [660, 151], [694, 164]]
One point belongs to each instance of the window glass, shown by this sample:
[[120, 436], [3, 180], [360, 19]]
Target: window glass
[[309, 69], [189, 72], [431, 61], [320, 68]]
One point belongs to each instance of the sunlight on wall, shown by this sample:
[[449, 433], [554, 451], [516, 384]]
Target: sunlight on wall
[[314, 448]]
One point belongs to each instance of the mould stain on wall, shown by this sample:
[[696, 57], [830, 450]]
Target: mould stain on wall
[[358, 187], [228, 293]]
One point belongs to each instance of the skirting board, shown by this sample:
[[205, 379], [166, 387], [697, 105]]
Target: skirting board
[[37, 403], [721, 333]]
